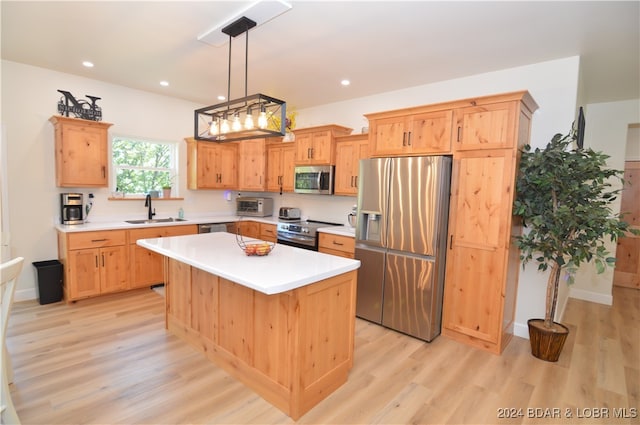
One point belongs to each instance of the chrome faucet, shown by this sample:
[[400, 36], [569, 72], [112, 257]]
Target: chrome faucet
[[147, 203]]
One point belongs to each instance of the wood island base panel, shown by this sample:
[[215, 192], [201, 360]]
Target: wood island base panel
[[293, 348]]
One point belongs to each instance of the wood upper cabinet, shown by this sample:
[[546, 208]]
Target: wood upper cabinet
[[280, 166], [396, 133], [349, 151], [490, 126], [315, 145], [252, 165], [212, 165], [82, 152], [146, 267], [483, 263], [94, 263]]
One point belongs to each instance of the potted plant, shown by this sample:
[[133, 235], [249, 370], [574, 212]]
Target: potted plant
[[563, 197]]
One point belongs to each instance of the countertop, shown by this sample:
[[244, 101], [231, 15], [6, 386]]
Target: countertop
[[123, 225], [339, 230], [284, 269]]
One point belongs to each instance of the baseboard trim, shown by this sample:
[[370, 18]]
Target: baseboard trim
[[595, 297], [25, 295], [521, 330]]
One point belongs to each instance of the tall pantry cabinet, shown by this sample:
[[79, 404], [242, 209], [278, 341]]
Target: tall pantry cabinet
[[484, 136], [482, 261]]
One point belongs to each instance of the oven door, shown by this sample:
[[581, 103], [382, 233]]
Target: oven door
[[298, 241]]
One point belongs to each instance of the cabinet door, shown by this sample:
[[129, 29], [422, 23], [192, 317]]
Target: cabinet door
[[83, 158], [226, 166], [84, 274], [250, 229], [268, 232], [486, 127], [274, 168], [146, 267], [207, 173], [304, 148], [431, 132], [389, 136], [114, 271], [321, 148], [252, 165], [288, 167], [479, 225], [346, 163]]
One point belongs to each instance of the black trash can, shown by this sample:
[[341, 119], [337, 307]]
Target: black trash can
[[49, 281]]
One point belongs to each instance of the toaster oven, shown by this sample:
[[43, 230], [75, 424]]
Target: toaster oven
[[254, 207]]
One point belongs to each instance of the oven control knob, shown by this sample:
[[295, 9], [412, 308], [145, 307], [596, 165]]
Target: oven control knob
[[305, 230]]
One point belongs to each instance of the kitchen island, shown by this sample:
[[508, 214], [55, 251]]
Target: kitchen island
[[283, 324]]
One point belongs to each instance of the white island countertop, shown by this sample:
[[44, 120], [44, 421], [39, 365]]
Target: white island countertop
[[285, 268]]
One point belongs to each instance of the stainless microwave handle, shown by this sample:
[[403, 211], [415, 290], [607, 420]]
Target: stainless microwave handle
[[319, 182]]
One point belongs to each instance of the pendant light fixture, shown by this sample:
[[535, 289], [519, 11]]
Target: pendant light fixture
[[250, 117]]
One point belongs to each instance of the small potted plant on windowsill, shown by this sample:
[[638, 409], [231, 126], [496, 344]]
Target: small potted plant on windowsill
[[564, 199], [166, 191]]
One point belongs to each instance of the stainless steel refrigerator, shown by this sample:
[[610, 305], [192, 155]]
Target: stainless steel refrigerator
[[401, 233]]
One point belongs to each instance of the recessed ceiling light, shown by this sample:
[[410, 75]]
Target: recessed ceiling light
[[345, 82], [164, 83], [87, 64]]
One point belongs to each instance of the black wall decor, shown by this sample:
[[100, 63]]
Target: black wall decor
[[580, 129], [79, 108]]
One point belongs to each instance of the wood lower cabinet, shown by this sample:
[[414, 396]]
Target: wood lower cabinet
[[268, 232], [81, 151], [212, 165], [248, 228], [280, 167], [343, 246], [424, 133], [95, 263], [146, 267], [315, 145], [252, 165], [293, 348], [349, 151]]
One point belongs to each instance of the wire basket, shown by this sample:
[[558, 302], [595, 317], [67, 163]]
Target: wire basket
[[254, 248]]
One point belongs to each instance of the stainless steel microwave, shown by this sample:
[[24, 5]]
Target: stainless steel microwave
[[314, 179]]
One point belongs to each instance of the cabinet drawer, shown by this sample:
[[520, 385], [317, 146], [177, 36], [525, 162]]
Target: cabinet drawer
[[337, 242], [83, 240], [161, 232]]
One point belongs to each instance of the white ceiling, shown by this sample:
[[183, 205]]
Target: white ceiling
[[302, 55]]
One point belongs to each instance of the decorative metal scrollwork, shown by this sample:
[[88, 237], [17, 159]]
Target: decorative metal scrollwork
[[79, 108]]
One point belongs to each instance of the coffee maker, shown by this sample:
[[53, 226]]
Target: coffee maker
[[71, 205]]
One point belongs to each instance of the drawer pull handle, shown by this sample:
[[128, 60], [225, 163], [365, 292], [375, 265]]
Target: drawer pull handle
[[338, 243], [98, 240]]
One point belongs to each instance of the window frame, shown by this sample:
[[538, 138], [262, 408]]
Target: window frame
[[174, 170]]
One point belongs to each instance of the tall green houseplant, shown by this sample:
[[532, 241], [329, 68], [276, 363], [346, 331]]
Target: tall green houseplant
[[564, 196]]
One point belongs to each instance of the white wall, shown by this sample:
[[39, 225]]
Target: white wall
[[29, 98], [607, 130]]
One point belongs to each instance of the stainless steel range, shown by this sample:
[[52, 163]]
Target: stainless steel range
[[301, 234]]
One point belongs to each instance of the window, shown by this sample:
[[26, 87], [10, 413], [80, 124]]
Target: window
[[141, 166]]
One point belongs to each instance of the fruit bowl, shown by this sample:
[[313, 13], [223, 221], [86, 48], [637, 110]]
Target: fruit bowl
[[254, 248]]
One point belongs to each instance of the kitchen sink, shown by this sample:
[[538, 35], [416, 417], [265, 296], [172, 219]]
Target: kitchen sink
[[155, 220]]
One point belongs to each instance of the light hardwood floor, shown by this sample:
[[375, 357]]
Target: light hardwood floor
[[110, 361]]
